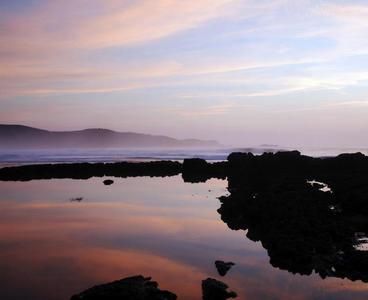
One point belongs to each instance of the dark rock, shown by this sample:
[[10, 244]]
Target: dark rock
[[213, 289], [195, 164], [223, 267], [131, 288], [351, 156], [288, 154], [88, 170], [108, 182], [271, 199], [198, 170], [76, 199], [303, 229], [236, 157]]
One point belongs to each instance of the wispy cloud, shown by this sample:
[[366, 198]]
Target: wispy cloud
[[48, 41], [193, 59], [353, 13], [209, 110], [61, 25]]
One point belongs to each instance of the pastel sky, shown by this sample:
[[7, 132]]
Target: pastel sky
[[243, 72]]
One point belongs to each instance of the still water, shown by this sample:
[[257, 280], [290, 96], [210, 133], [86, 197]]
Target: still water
[[52, 247]]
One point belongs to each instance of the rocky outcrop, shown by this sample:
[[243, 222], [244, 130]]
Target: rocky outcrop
[[131, 288], [88, 170], [213, 289], [198, 170], [303, 228]]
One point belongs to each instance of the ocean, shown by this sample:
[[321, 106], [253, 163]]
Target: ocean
[[20, 157]]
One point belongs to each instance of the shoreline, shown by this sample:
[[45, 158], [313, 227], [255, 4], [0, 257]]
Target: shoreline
[[192, 169], [310, 214]]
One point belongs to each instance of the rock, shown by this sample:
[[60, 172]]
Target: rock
[[195, 164], [131, 288], [76, 199], [198, 170], [223, 267], [352, 156], [87, 170], [271, 198], [236, 157], [195, 170], [288, 154], [213, 289], [108, 182]]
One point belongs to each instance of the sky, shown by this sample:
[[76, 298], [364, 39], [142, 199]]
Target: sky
[[243, 72]]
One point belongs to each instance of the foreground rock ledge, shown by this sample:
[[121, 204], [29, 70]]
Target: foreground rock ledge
[[131, 288]]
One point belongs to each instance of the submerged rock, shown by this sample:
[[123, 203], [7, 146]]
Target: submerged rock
[[223, 267], [108, 182], [213, 289], [131, 288]]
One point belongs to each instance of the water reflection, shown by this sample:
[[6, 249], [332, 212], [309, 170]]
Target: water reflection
[[52, 248]]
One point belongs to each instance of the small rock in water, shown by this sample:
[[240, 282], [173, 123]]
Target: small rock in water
[[131, 288], [223, 267], [108, 182], [76, 199], [213, 289]]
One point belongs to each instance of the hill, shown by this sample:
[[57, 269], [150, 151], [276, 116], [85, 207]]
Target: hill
[[19, 136]]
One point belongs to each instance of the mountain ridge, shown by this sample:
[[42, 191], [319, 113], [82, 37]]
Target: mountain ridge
[[22, 136]]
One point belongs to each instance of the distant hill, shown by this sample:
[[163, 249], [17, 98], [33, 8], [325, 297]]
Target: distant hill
[[19, 136]]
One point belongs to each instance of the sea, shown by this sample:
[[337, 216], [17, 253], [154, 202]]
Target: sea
[[60, 237], [14, 157]]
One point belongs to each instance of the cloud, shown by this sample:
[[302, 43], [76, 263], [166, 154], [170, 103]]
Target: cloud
[[277, 55], [46, 44], [208, 111], [348, 27], [147, 21], [357, 103], [82, 24], [353, 13]]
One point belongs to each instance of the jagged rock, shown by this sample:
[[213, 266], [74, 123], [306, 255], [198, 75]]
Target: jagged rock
[[271, 198], [223, 267], [213, 289], [131, 288]]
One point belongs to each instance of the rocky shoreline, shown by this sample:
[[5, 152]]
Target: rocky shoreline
[[196, 169], [310, 214]]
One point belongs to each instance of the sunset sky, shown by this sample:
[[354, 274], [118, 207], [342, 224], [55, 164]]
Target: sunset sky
[[243, 72]]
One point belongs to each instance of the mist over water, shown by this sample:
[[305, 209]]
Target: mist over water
[[20, 156]]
